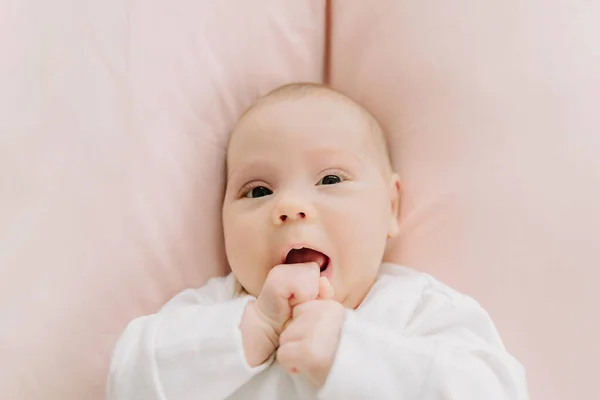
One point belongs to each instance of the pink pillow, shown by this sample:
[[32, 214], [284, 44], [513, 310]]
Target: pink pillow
[[491, 110], [112, 140]]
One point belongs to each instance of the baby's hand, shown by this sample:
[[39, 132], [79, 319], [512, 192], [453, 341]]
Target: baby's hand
[[309, 343], [286, 286]]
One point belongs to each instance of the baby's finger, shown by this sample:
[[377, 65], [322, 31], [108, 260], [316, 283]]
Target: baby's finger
[[295, 330], [326, 291], [303, 283], [285, 325], [291, 356], [285, 286]]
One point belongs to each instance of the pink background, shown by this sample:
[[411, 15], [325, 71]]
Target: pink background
[[114, 119], [492, 108]]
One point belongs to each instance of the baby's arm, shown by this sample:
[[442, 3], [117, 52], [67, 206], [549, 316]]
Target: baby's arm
[[192, 348], [453, 352]]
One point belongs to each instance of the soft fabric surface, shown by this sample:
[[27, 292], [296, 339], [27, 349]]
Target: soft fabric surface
[[113, 117], [492, 112], [407, 320], [113, 123]]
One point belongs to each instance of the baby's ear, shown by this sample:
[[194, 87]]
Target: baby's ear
[[394, 228]]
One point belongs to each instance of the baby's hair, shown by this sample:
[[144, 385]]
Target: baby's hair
[[299, 90]]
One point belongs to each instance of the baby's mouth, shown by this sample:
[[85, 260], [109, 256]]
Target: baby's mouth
[[304, 255]]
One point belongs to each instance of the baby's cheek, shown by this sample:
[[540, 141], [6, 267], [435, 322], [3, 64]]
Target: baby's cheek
[[249, 266], [249, 280]]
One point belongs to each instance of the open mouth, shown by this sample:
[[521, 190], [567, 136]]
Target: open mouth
[[304, 255]]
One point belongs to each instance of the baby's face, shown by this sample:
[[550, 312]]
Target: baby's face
[[306, 173]]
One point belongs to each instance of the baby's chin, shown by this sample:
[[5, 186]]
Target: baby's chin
[[240, 290], [353, 297]]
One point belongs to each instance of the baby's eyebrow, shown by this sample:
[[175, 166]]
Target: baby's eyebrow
[[245, 166]]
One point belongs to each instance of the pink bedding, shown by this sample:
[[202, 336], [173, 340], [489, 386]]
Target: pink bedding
[[491, 108], [114, 117], [112, 136]]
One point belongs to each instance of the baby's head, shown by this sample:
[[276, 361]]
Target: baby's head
[[308, 168]]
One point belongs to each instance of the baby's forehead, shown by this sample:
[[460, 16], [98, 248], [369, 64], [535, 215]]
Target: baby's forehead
[[298, 121], [318, 110], [306, 104]]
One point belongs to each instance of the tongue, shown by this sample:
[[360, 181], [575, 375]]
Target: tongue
[[297, 256]]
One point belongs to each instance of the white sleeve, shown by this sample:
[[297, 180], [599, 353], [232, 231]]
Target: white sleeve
[[455, 353], [191, 349]]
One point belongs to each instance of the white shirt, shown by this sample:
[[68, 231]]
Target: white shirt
[[412, 338]]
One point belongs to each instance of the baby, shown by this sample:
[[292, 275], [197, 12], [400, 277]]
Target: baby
[[310, 310]]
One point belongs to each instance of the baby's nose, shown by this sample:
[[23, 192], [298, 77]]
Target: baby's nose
[[299, 215], [291, 210]]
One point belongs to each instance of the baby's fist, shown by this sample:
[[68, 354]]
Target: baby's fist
[[287, 285], [309, 343]]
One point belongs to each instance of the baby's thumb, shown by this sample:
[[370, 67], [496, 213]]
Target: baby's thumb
[[325, 289]]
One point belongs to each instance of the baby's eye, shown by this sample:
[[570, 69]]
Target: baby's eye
[[330, 180], [259, 191]]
